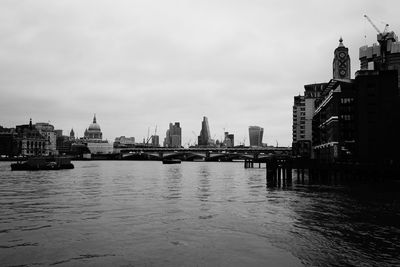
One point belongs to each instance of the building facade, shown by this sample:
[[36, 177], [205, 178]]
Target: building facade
[[47, 130], [229, 140], [333, 122], [303, 112], [256, 135], [341, 62], [355, 120], [29, 141], [123, 141], [204, 139], [155, 140], [173, 136]]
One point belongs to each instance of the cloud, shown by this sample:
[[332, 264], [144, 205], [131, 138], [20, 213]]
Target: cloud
[[138, 64]]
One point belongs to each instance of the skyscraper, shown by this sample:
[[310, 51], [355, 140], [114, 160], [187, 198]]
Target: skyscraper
[[229, 140], [173, 136], [155, 141], [204, 138], [256, 135]]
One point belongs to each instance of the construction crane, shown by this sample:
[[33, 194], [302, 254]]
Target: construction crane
[[375, 27], [195, 138], [148, 137], [383, 38]]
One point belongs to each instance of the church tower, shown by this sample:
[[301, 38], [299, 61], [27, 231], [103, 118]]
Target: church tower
[[341, 62], [72, 134]]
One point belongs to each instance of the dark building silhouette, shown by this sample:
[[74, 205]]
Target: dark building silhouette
[[333, 122], [155, 140], [173, 136], [204, 139], [229, 140], [256, 135], [357, 120], [377, 116], [7, 142]]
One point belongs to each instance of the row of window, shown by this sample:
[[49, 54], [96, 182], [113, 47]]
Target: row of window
[[346, 100], [346, 117], [35, 144]]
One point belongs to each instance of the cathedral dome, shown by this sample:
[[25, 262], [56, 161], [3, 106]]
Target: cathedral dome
[[94, 126], [93, 132]]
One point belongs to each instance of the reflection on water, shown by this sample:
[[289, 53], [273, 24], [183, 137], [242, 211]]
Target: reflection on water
[[203, 188], [127, 213], [173, 177]]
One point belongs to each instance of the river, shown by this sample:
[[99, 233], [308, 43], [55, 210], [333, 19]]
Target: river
[[144, 213]]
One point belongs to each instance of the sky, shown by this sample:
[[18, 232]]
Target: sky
[[139, 65]]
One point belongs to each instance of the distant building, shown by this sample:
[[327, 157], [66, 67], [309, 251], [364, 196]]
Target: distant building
[[256, 135], [58, 133], [72, 134], [47, 130], [93, 138], [93, 132], [229, 140], [7, 142], [64, 144], [173, 136], [155, 140], [29, 141], [204, 139], [123, 141]]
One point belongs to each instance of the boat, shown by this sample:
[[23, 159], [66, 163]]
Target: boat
[[171, 161], [43, 163]]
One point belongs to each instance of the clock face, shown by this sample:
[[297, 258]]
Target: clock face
[[342, 72], [342, 54]]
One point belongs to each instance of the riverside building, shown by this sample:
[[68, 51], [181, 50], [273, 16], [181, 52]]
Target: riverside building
[[47, 130], [29, 141], [356, 120]]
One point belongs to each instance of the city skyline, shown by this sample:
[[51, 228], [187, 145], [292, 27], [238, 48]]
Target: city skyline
[[138, 65]]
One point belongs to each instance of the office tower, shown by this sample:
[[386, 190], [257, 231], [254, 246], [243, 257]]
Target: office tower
[[229, 140], [204, 138], [256, 135], [173, 136], [155, 140]]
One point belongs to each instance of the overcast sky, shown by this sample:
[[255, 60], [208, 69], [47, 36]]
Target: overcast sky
[[138, 64]]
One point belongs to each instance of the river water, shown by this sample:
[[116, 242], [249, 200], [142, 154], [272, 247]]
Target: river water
[[133, 213]]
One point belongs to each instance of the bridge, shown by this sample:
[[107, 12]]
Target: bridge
[[259, 154]]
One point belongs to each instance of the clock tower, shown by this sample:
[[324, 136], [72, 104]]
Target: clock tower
[[341, 62]]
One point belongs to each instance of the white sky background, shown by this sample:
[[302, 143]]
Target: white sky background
[[137, 64]]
